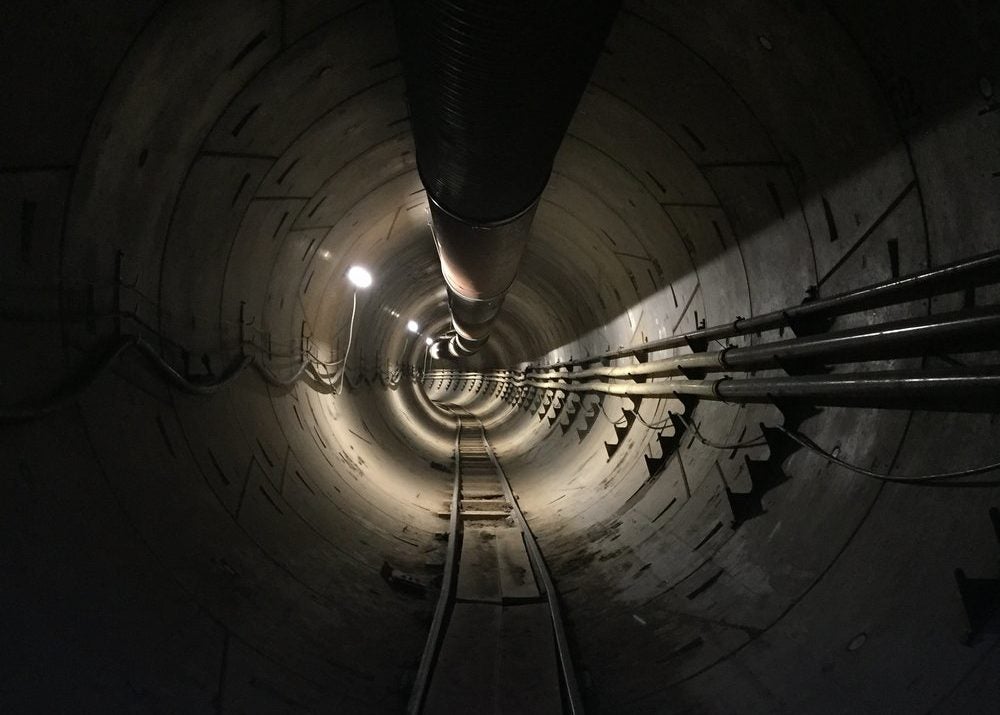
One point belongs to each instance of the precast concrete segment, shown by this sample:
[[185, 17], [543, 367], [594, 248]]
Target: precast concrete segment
[[225, 552]]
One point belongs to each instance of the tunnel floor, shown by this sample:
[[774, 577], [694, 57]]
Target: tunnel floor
[[229, 475]]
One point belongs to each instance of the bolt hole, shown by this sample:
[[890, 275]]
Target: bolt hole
[[143, 155], [857, 642]]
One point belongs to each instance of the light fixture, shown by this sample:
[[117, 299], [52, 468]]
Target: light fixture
[[412, 326], [359, 276], [429, 341]]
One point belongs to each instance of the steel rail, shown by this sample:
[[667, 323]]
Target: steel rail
[[434, 637], [575, 701]]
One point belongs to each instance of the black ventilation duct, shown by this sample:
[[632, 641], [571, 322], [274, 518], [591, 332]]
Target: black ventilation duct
[[492, 88]]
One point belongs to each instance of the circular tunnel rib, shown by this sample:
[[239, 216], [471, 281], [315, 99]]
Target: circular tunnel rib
[[211, 504]]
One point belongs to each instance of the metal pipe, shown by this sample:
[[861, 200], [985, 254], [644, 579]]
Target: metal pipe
[[964, 331], [478, 263], [573, 696], [983, 269], [965, 390]]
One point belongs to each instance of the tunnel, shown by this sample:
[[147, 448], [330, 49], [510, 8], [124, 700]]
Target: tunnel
[[227, 468]]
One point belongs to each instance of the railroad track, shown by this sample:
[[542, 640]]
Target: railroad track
[[497, 643]]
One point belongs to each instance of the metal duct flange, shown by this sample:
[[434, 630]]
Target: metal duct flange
[[479, 263], [491, 87], [479, 260], [452, 346]]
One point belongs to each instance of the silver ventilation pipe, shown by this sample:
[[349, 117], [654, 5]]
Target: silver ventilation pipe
[[479, 263], [492, 88]]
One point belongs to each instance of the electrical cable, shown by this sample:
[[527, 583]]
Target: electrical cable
[[185, 384], [276, 381], [130, 314], [655, 427], [314, 358], [755, 442], [617, 423], [64, 394], [318, 383], [32, 410], [924, 478], [350, 337]]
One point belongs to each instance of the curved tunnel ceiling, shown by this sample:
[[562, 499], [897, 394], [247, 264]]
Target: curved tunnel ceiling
[[203, 174]]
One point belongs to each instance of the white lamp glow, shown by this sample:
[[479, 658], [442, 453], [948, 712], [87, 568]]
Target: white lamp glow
[[412, 326], [429, 341], [359, 276]]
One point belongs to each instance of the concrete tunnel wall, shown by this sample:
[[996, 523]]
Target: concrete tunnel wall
[[170, 552]]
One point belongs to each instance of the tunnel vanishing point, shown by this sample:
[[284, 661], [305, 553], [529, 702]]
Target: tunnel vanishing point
[[668, 379]]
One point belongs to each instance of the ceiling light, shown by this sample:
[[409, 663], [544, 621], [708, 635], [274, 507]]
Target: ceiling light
[[412, 326], [429, 341], [359, 276]]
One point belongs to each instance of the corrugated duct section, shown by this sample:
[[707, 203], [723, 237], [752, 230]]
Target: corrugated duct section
[[492, 87]]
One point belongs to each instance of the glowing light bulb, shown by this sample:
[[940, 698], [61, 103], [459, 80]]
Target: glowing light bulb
[[412, 326], [359, 276]]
